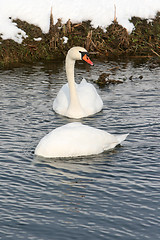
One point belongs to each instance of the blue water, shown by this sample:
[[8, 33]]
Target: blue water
[[111, 196]]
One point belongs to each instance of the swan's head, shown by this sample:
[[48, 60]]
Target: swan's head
[[79, 53]]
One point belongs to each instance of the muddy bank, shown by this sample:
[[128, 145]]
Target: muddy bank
[[144, 41]]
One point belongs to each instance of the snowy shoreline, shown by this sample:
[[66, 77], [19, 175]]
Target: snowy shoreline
[[100, 14], [28, 35], [144, 41]]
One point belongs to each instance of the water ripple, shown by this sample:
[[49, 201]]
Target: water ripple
[[114, 195]]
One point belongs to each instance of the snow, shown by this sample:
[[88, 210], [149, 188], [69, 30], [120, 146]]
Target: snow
[[37, 39], [65, 40], [101, 13]]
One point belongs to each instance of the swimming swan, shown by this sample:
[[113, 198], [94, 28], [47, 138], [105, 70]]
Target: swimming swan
[[75, 139], [77, 100]]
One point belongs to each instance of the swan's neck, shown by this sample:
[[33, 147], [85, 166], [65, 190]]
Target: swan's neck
[[74, 108]]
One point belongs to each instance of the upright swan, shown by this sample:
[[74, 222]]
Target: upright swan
[[77, 100], [75, 139]]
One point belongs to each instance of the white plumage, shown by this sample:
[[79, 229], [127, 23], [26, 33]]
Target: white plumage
[[90, 101], [75, 139], [77, 100]]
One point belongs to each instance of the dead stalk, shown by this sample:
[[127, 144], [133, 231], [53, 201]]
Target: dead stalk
[[88, 40], [115, 18]]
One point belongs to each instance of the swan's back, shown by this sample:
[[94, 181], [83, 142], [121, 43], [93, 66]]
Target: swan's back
[[76, 139]]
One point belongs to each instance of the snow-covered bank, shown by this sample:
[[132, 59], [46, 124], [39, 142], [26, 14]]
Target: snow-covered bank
[[27, 34], [101, 13]]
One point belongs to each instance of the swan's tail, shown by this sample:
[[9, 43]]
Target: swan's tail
[[121, 138]]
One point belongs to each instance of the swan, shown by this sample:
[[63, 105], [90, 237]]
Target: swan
[[77, 100], [75, 139]]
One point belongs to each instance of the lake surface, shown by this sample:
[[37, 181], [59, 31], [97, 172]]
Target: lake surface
[[111, 196]]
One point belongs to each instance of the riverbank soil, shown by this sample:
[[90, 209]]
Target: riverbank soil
[[115, 41]]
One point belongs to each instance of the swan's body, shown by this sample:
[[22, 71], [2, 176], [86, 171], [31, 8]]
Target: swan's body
[[77, 100], [76, 139]]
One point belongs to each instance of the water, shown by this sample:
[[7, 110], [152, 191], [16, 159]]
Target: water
[[114, 195]]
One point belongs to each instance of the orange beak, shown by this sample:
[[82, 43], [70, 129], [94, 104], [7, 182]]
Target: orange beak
[[87, 59]]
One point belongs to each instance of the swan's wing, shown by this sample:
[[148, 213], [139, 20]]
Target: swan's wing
[[89, 98], [60, 104]]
